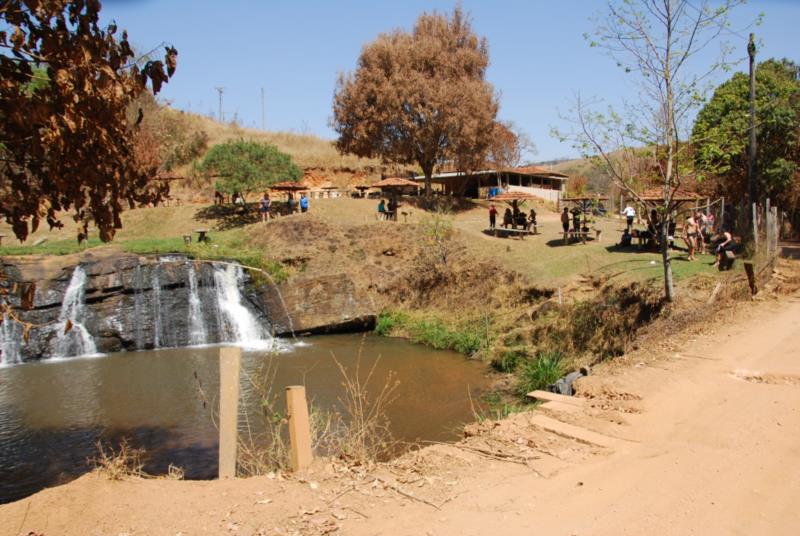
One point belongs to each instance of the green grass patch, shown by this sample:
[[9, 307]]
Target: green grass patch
[[390, 321], [467, 338], [494, 406], [58, 247], [539, 372]]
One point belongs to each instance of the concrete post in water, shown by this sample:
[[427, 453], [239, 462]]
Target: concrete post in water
[[229, 363], [299, 429]]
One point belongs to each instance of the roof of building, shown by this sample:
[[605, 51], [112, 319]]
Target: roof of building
[[532, 171], [395, 182]]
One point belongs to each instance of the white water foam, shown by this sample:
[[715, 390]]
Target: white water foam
[[77, 341]]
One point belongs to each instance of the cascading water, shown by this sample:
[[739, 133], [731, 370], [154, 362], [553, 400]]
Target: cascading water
[[239, 325], [156, 285], [197, 324], [138, 307], [76, 340], [10, 337]]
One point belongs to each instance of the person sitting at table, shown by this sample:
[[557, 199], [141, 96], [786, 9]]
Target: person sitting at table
[[576, 221], [521, 221], [532, 221], [507, 218]]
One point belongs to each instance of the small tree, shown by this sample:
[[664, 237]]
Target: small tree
[[65, 139], [720, 133], [245, 166], [656, 41], [420, 97]]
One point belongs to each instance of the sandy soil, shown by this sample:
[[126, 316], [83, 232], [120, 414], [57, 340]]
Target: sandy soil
[[694, 440]]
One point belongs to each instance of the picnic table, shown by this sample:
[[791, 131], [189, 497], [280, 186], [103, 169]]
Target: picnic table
[[498, 231], [582, 235], [202, 235]]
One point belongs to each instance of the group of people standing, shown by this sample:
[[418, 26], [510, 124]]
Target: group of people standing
[[265, 206], [699, 230]]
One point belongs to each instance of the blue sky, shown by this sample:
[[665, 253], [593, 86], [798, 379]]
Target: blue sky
[[294, 50]]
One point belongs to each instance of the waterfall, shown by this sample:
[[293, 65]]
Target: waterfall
[[138, 307], [197, 325], [156, 286], [77, 340], [10, 339], [239, 325]]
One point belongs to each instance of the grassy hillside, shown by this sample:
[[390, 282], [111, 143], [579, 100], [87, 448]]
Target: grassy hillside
[[307, 150]]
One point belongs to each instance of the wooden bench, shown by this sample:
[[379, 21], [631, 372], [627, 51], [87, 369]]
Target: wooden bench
[[498, 231], [581, 235]]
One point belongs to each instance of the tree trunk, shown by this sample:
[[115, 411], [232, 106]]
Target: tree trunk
[[669, 289], [428, 171]]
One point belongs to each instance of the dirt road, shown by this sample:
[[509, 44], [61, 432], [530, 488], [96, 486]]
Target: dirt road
[[705, 441]]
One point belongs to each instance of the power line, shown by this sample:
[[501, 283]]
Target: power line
[[220, 116]]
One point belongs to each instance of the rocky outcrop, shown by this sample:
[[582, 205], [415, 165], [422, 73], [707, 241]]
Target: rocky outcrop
[[131, 302], [324, 304]]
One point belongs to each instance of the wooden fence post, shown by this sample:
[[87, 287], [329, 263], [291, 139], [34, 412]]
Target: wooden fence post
[[299, 429], [229, 363]]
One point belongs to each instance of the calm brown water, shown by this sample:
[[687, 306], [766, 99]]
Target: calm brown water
[[53, 412]]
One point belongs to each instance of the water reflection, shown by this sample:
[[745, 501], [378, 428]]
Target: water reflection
[[52, 413]]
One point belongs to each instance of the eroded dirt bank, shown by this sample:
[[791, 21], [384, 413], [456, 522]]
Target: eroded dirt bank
[[697, 435]]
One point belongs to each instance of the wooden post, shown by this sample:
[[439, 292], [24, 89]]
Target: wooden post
[[229, 360], [299, 429], [755, 227], [749, 269]]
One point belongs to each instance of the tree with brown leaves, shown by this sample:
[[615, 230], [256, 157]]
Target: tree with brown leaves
[[419, 98], [65, 140]]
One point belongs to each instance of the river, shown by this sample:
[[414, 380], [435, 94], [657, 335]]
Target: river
[[53, 412]]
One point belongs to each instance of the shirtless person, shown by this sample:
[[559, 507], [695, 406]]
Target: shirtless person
[[690, 230]]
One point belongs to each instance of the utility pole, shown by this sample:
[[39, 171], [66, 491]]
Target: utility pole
[[263, 120], [751, 156], [220, 117]]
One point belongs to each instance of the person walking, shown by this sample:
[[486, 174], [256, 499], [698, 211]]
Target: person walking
[[303, 203], [382, 210], [263, 207], [630, 213], [292, 204], [492, 216]]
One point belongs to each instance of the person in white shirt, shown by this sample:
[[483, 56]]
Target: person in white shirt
[[629, 212]]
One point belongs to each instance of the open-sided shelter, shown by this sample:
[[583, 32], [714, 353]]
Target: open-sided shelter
[[543, 183]]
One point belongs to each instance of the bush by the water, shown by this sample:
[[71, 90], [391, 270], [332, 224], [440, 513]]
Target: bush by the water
[[539, 372], [467, 339]]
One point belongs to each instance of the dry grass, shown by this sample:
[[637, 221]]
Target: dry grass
[[120, 463], [307, 150], [126, 462]]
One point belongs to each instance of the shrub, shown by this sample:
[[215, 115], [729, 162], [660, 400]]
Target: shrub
[[388, 321], [540, 372]]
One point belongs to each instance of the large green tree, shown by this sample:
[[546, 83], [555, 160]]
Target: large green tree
[[419, 97], [245, 166], [66, 142], [721, 141]]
